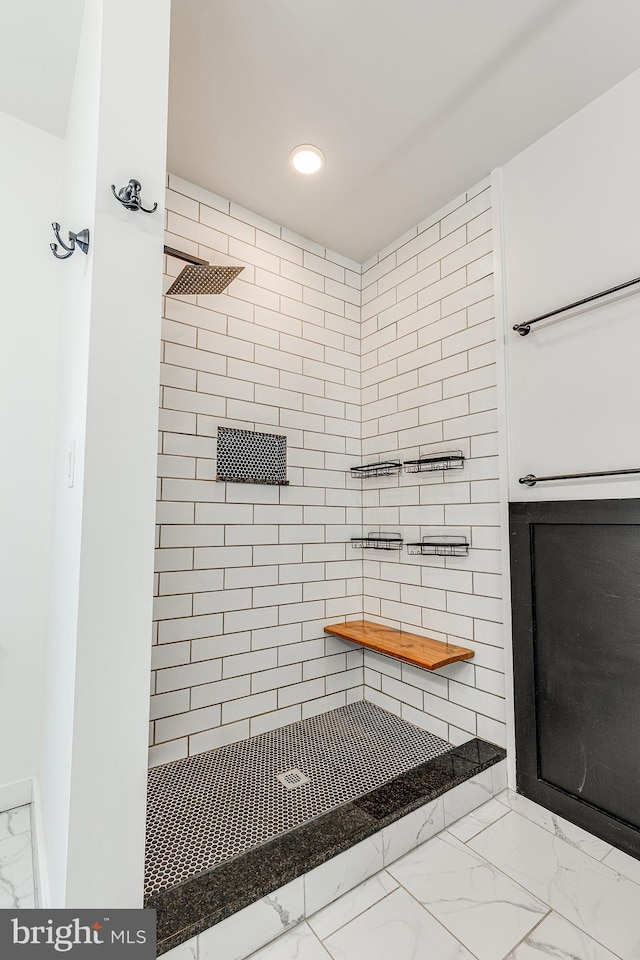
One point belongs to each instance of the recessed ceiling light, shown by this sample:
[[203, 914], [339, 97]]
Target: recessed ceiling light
[[307, 159]]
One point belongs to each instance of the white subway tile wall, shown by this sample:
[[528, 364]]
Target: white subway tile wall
[[351, 366], [248, 575], [428, 385]]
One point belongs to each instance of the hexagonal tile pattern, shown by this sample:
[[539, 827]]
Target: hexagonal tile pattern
[[205, 809], [246, 456]]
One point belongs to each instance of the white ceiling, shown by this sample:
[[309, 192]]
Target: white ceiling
[[38, 49], [412, 101]]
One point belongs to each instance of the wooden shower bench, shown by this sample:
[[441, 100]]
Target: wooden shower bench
[[410, 647]]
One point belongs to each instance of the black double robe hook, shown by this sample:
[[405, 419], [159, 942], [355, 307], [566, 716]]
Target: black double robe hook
[[129, 197], [80, 240]]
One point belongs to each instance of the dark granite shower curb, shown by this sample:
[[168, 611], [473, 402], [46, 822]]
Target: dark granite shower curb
[[193, 906]]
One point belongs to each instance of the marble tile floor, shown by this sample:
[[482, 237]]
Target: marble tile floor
[[17, 877], [510, 881]]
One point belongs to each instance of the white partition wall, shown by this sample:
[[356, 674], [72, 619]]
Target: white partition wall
[[93, 772]]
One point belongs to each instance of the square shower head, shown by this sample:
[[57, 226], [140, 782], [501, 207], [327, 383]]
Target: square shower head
[[198, 279]]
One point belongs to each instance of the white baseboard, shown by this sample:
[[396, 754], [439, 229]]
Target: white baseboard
[[16, 794], [43, 893]]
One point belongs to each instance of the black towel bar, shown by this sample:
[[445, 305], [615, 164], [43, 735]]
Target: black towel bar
[[530, 480], [524, 328]]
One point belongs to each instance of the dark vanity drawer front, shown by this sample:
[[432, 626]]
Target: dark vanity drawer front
[[576, 623]]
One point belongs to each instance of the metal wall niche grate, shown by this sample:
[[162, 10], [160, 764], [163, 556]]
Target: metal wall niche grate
[[244, 456]]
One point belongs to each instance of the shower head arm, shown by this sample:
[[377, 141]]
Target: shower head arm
[[187, 257]]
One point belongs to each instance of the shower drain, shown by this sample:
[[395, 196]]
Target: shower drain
[[292, 778]]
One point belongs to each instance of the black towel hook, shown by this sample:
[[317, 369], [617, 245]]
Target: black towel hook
[[80, 240], [129, 197]]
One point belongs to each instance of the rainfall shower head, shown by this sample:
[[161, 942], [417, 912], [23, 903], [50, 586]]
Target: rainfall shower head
[[200, 276]]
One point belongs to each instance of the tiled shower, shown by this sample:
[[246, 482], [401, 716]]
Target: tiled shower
[[349, 362], [340, 364]]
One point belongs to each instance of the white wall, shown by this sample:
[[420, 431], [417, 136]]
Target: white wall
[[571, 227], [429, 384], [248, 575], [31, 163], [97, 671]]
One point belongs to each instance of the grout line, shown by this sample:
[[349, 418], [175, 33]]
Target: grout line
[[361, 912], [510, 953], [552, 909], [317, 938], [433, 917]]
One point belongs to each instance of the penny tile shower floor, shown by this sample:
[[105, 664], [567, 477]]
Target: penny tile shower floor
[[209, 808]]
